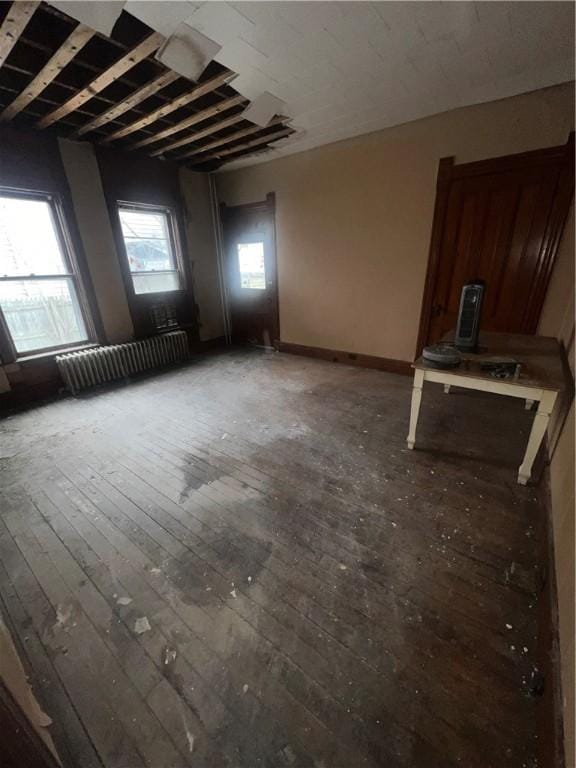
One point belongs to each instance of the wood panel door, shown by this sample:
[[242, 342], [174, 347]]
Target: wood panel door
[[251, 275], [499, 221]]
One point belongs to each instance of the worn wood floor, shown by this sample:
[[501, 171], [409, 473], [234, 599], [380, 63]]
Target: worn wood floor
[[312, 594]]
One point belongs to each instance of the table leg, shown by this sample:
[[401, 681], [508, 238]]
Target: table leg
[[539, 427], [415, 406]]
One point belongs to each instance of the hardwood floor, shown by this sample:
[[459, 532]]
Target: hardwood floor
[[311, 593]]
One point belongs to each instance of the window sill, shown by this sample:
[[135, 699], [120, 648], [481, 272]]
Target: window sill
[[55, 352]]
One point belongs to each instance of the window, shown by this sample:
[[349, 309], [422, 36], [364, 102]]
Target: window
[[251, 265], [38, 289], [149, 236]]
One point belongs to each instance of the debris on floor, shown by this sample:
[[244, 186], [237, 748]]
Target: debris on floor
[[169, 655], [124, 601], [142, 625], [63, 614]]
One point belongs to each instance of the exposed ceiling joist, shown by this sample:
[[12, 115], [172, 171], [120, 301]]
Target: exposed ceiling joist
[[187, 98], [129, 102], [191, 138], [205, 114], [13, 25], [247, 145], [54, 77], [122, 65], [231, 137], [69, 48]]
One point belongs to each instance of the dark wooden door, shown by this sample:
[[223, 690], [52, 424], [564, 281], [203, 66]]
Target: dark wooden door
[[499, 221], [251, 275]]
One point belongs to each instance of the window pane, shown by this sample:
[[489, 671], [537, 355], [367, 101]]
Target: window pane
[[147, 240], [251, 264], [41, 313], [156, 283], [28, 241]]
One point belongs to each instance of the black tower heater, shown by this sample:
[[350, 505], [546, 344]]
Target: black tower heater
[[468, 326]]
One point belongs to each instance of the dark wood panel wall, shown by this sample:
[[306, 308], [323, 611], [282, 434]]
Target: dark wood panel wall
[[32, 161], [134, 179]]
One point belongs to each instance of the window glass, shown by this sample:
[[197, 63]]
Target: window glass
[[28, 240], [251, 265], [41, 314], [38, 295], [146, 235], [156, 283]]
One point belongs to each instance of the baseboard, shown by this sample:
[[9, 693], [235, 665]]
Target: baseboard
[[549, 713], [349, 358]]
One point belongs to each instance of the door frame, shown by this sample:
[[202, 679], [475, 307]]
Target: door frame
[[448, 171], [268, 205]]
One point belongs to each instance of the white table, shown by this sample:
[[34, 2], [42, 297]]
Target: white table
[[541, 379]]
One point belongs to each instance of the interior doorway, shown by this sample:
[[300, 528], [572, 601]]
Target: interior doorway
[[250, 272], [500, 221]]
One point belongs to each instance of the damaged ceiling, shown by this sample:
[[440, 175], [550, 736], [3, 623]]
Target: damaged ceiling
[[213, 83], [57, 74]]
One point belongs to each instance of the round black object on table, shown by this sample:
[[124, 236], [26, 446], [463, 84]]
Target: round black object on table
[[441, 356]]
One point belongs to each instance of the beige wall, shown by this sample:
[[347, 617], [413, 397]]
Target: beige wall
[[353, 228], [558, 320], [93, 221], [354, 218], [200, 235]]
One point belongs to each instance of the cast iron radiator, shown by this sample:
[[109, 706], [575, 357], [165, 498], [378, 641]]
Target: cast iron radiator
[[90, 367]]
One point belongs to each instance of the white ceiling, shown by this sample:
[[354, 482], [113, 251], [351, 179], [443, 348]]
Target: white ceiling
[[348, 68]]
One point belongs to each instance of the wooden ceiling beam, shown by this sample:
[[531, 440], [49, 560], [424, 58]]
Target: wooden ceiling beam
[[247, 145], [88, 67], [229, 138], [42, 99], [129, 102], [197, 135], [171, 106], [14, 24], [67, 51], [86, 112], [205, 114], [37, 114], [198, 117], [106, 78]]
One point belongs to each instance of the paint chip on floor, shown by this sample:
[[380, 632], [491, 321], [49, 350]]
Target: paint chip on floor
[[142, 625], [124, 601]]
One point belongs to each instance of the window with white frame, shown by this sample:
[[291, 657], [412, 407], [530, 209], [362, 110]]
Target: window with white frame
[[38, 285], [150, 241]]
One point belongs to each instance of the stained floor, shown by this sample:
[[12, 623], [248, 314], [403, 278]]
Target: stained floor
[[238, 563]]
